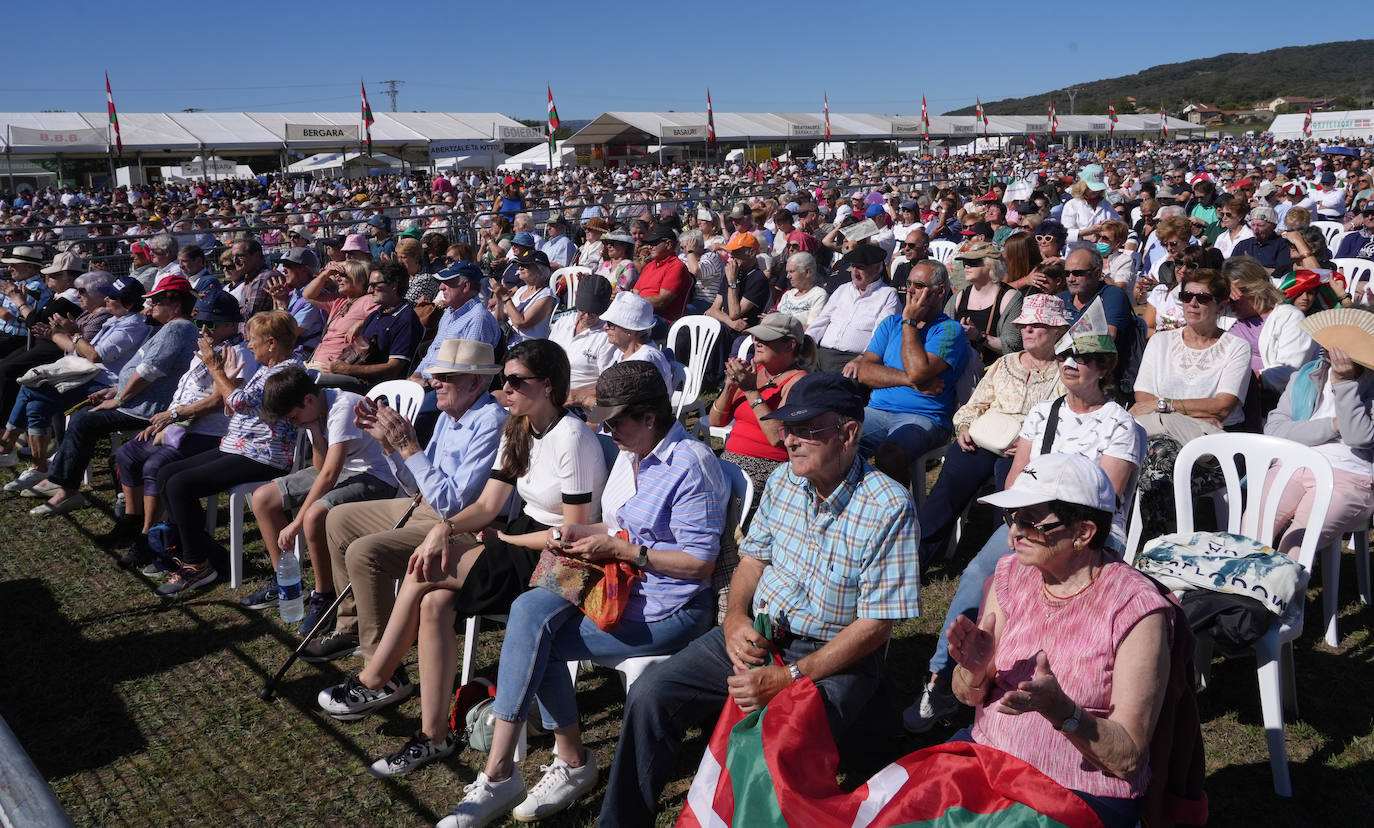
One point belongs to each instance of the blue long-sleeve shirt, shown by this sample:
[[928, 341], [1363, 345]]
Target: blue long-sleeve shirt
[[454, 467]]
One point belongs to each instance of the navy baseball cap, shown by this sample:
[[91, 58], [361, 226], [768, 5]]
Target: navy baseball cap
[[818, 393], [126, 289], [218, 306], [531, 258], [463, 269]]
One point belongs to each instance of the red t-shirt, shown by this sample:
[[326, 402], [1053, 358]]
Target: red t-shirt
[[671, 275]]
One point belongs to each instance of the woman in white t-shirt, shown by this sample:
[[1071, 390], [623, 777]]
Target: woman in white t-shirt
[[556, 466], [1083, 421], [1329, 405], [527, 309], [805, 300], [629, 324]]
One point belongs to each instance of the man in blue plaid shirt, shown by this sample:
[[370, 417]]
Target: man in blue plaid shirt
[[831, 557]]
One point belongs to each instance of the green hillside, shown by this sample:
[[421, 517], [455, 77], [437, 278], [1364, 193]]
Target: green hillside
[[1342, 70]]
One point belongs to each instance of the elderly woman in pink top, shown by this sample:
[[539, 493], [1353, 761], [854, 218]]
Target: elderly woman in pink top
[[342, 292], [1067, 666]]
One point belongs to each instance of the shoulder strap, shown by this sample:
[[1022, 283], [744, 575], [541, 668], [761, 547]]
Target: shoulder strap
[[962, 307], [1051, 427], [996, 315]]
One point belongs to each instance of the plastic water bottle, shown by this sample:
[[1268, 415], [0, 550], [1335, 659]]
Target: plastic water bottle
[[289, 587]]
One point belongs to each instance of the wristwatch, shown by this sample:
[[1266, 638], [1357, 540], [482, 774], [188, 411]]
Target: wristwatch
[[642, 559], [173, 412], [1162, 406], [1070, 725], [796, 671]]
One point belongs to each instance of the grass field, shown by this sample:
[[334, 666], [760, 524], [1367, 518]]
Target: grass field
[[144, 712]]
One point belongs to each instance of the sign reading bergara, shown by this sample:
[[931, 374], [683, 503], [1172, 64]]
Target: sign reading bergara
[[57, 138], [322, 132]]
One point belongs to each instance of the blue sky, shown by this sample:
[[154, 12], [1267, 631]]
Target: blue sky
[[462, 56]]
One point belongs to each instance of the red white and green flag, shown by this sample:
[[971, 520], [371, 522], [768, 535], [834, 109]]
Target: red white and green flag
[[368, 120], [114, 117], [827, 116], [1306, 122], [925, 118], [1054, 121], [1111, 117], [777, 766], [553, 121], [710, 121], [982, 118]]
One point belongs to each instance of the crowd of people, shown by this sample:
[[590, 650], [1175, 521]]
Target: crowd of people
[[1056, 326]]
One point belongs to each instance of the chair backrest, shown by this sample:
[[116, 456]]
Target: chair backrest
[[1246, 514], [404, 396], [1358, 274], [1329, 230], [741, 486], [1334, 243], [567, 278], [943, 250], [742, 347], [701, 332], [609, 449]]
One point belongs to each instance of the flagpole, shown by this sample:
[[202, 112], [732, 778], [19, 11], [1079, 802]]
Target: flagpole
[[9, 156]]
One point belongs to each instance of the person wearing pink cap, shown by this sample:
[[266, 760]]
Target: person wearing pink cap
[[355, 246]]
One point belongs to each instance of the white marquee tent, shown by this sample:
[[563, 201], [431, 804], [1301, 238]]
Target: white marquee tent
[[1327, 126]]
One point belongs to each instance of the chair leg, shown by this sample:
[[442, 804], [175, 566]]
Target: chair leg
[[211, 513], [1361, 542], [1331, 579], [522, 743], [473, 626], [1271, 706], [1290, 681], [236, 508]]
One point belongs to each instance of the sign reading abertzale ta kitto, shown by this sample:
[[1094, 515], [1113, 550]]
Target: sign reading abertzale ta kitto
[[322, 132]]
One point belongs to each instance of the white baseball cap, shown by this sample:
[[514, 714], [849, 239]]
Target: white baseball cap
[[1071, 478]]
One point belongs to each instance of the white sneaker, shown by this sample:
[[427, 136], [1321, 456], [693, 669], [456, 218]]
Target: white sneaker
[[42, 488], [9, 458], [485, 801], [934, 704], [561, 786], [26, 480]]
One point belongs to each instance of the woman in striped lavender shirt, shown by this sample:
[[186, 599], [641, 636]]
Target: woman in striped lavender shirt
[[1071, 634]]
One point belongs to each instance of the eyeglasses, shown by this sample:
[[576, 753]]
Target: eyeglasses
[[1229, 215], [202, 325], [810, 435], [1172, 242], [917, 286], [1045, 237], [515, 381], [1081, 271], [909, 246], [1184, 266], [159, 299], [375, 286], [1011, 519], [1187, 297], [1080, 358], [971, 262]]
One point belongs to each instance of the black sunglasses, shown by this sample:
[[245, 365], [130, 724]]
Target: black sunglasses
[[515, 380], [1080, 358], [1184, 297], [1026, 526], [202, 325], [1081, 271]]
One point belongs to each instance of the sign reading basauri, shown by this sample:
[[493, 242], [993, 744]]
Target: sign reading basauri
[[322, 132], [692, 132]]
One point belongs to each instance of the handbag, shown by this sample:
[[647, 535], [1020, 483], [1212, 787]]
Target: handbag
[[995, 431], [606, 603], [572, 579]]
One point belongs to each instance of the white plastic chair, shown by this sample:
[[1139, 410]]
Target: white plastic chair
[[1274, 651], [1329, 230], [240, 497], [942, 251], [1358, 275], [1331, 576], [743, 344], [1334, 243], [702, 332], [573, 275], [402, 395]]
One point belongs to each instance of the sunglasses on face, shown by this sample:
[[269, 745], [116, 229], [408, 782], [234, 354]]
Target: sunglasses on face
[[1027, 526], [971, 262], [203, 326], [1187, 298], [1080, 358], [1081, 271], [515, 381], [810, 435], [1042, 237]]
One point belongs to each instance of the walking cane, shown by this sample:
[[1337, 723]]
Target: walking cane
[[269, 689]]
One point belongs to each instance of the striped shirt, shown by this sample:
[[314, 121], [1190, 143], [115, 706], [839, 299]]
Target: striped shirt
[[38, 295], [853, 555], [674, 498], [251, 437], [1080, 639]]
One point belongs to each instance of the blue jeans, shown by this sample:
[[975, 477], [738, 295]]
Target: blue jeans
[[963, 473], [916, 434], [35, 406], [969, 596], [84, 431], [545, 630], [688, 690]]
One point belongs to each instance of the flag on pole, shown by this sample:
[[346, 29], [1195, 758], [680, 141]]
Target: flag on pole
[[114, 117], [1163, 122], [982, 118], [925, 118], [1054, 121], [1306, 122], [368, 120], [1111, 117], [553, 121], [710, 121], [827, 116]]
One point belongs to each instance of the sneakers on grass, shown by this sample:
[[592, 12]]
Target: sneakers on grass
[[413, 755], [353, 700], [485, 801], [25, 480], [935, 704], [332, 646], [315, 607], [561, 786], [263, 598], [188, 577]]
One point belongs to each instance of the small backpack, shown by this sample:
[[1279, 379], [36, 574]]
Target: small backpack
[[164, 541]]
